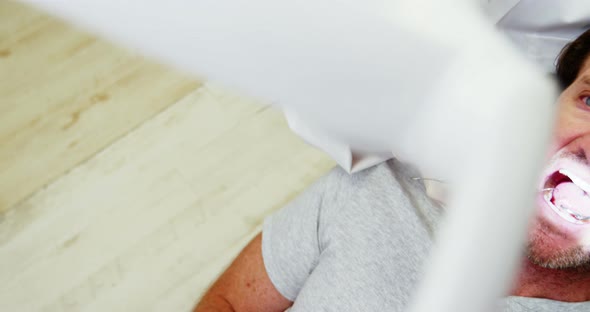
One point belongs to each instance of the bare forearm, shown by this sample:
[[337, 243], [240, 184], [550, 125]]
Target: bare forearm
[[213, 303]]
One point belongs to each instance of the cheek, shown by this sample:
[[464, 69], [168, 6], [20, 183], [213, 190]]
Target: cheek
[[571, 123], [563, 133]]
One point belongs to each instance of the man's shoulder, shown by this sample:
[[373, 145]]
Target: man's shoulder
[[384, 186], [387, 195]]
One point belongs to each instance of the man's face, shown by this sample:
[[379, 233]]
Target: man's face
[[557, 239]]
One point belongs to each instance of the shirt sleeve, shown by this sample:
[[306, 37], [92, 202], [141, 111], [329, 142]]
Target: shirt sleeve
[[290, 244]]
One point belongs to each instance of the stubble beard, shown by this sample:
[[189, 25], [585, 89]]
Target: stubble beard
[[544, 252]]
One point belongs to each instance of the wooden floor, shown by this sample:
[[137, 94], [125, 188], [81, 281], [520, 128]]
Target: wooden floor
[[125, 185]]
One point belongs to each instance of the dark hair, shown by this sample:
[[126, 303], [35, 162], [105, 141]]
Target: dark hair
[[571, 59]]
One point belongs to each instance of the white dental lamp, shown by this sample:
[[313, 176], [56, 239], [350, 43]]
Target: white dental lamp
[[429, 81]]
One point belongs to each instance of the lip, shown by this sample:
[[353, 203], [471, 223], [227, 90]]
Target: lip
[[549, 225], [568, 229], [566, 214], [577, 173], [560, 169], [570, 166]]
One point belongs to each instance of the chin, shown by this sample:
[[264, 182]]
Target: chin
[[550, 247]]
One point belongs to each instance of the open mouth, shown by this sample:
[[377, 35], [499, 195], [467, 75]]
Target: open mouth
[[568, 195]]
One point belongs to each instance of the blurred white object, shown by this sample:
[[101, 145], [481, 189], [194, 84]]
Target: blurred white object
[[429, 80], [335, 67]]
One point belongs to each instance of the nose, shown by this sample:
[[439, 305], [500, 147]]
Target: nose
[[580, 147]]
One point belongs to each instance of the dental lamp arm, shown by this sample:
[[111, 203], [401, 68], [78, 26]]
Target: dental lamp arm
[[368, 77], [329, 65]]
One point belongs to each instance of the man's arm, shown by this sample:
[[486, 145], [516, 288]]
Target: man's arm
[[244, 286]]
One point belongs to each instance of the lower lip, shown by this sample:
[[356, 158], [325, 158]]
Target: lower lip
[[548, 214]]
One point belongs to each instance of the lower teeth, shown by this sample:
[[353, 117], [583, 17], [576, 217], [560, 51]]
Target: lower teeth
[[565, 212]]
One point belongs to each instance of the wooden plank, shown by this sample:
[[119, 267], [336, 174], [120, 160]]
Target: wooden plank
[[65, 95], [150, 221]]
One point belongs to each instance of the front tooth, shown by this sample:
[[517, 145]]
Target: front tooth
[[579, 182]]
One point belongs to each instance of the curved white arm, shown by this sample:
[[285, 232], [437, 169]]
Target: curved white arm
[[428, 80]]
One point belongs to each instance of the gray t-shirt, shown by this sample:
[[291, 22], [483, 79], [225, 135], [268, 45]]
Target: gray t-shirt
[[357, 243]]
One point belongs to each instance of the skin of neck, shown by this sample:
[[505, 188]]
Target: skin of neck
[[567, 285]]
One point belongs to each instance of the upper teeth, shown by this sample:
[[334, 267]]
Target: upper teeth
[[577, 181]]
